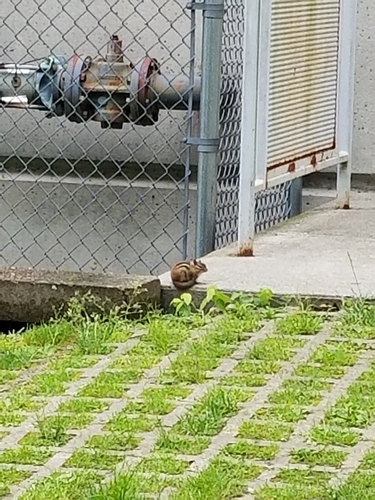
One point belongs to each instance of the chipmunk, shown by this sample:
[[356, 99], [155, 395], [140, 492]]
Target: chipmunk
[[184, 274]]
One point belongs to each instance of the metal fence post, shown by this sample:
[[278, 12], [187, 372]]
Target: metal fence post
[[213, 11], [295, 194], [249, 121], [345, 108]]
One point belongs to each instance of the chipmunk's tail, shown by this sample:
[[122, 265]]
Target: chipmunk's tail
[[183, 285]]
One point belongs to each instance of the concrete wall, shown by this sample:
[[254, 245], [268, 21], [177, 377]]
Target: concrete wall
[[33, 28], [364, 128]]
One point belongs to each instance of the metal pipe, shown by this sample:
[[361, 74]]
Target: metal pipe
[[209, 127], [173, 91], [107, 90], [17, 81]]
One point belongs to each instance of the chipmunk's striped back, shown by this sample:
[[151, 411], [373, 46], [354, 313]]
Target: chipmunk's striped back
[[184, 270]]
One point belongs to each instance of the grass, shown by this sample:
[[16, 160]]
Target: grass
[[294, 483], [163, 464], [336, 353], [368, 461], [177, 443], [18, 358], [58, 421], [209, 416], [249, 450], [222, 479], [357, 320], [244, 380], [317, 371], [275, 348], [359, 485], [72, 361], [151, 415], [300, 322], [11, 419], [49, 437], [323, 457], [123, 422], [52, 383], [260, 366], [19, 399], [325, 435], [60, 486], [51, 432], [125, 487], [357, 407], [93, 459], [9, 477], [84, 405], [303, 477], [54, 334], [304, 392], [118, 441], [293, 491], [205, 354], [7, 376], [265, 431], [283, 413], [25, 455], [159, 400]]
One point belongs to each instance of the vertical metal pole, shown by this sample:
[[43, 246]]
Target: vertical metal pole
[[248, 159], [263, 87], [345, 113], [189, 130], [344, 174], [209, 125], [295, 193]]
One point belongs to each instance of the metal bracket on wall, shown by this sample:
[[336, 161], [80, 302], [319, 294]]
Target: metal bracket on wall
[[212, 10], [204, 145]]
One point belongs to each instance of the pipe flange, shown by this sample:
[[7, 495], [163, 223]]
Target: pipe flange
[[72, 88], [144, 106]]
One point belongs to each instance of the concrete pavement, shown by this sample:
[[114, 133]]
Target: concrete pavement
[[323, 252]]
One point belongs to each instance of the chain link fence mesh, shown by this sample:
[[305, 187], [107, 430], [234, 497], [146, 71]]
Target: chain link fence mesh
[[272, 205], [75, 196]]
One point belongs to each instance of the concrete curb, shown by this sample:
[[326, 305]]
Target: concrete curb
[[31, 296], [317, 302]]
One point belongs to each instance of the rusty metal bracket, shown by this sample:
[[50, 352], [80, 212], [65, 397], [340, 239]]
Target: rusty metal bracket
[[212, 10], [204, 145]]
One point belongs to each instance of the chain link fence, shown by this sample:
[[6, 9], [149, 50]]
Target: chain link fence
[[95, 173], [75, 196], [272, 205]]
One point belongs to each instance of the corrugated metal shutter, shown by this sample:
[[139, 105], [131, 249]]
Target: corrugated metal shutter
[[303, 78]]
